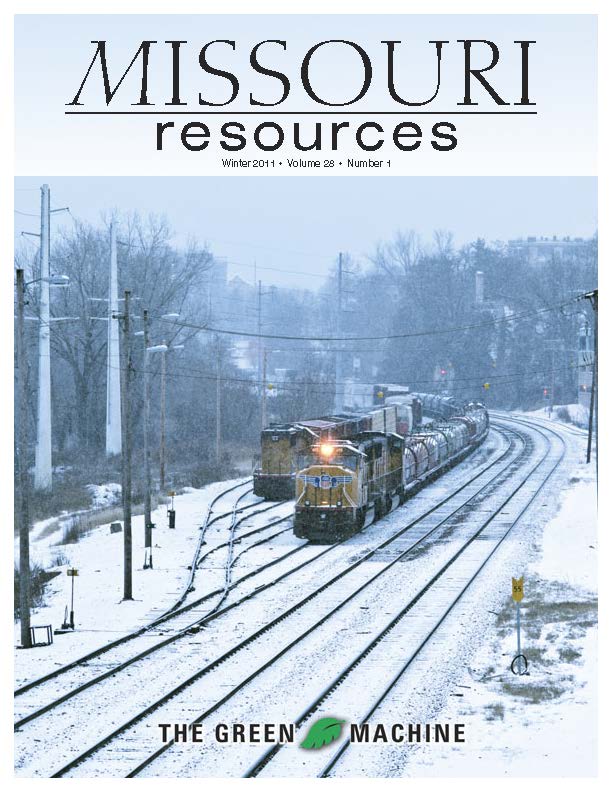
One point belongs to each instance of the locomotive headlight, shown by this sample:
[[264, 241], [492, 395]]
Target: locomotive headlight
[[306, 503], [327, 450], [339, 503]]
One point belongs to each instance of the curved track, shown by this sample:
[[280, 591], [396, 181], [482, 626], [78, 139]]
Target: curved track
[[436, 608], [224, 676], [208, 522], [178, 606]]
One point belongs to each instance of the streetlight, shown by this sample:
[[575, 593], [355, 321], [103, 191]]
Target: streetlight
[[52, 280], [22, 453]]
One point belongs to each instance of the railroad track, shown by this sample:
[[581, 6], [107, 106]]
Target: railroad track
[[188, 588], [179, 629], [426, 531], [179, 616], [489, 535], [544, 423], [464, 567]]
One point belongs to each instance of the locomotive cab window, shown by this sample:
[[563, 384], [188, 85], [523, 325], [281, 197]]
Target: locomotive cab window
[[348, 462]]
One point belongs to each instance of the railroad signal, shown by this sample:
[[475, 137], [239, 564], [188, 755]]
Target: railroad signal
[[545, 393], [171, 512], [486, 385], [71, 573]]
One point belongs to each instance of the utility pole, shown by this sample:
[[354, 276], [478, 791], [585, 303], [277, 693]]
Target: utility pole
[[218, 439], [148, 559], [259, 344], [113, 358], [264, 405], [339, 400], [162, 427], [126, 456], [22, 461], [593, 402], [43, 462], [552, 384]]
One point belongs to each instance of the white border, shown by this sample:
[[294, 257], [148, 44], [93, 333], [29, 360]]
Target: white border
[[11, 7]]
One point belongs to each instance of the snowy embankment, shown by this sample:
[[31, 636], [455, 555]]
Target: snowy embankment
[[101, 614], [543, 723], [572, 414]]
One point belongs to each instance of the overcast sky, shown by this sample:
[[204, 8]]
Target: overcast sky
[[298, 225]]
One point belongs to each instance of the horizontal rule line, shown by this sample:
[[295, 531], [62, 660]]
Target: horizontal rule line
[[301, 113]]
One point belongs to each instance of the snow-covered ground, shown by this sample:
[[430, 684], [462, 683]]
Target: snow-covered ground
[[514, 726], [101, 614], [544, 723], [574, 414]]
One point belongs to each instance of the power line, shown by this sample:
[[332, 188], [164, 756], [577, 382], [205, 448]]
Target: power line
[[276, 269], [322, 387], [509, 318]]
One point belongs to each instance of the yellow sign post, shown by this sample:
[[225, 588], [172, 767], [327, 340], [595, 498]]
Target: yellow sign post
[[519, 664], [517, 589]]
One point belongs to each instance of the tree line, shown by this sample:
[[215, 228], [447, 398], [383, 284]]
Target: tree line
[[404, 287]]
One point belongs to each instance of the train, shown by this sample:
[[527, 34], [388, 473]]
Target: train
[[344, 485], [281, 444]]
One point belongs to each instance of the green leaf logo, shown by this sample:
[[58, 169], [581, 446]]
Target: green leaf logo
[[323, 732]]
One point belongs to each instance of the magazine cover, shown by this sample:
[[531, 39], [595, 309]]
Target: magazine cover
[[305, 391]]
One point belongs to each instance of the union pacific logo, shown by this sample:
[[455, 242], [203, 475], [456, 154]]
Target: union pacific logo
[[325, 481]]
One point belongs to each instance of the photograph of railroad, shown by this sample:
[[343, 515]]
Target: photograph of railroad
[[305, 477]]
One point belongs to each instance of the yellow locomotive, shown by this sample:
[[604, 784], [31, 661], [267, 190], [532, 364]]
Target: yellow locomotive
[[281, 444], [344, 485]]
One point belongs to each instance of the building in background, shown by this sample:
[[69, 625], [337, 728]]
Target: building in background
[[538, 250]]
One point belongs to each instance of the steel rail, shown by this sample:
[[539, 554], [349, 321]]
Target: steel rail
[[159, 645], [215, 663], [215, 613], [346, 743]]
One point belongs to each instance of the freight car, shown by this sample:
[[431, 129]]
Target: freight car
[[400, 394], [281, 444], [344, 486], [439, 407]]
